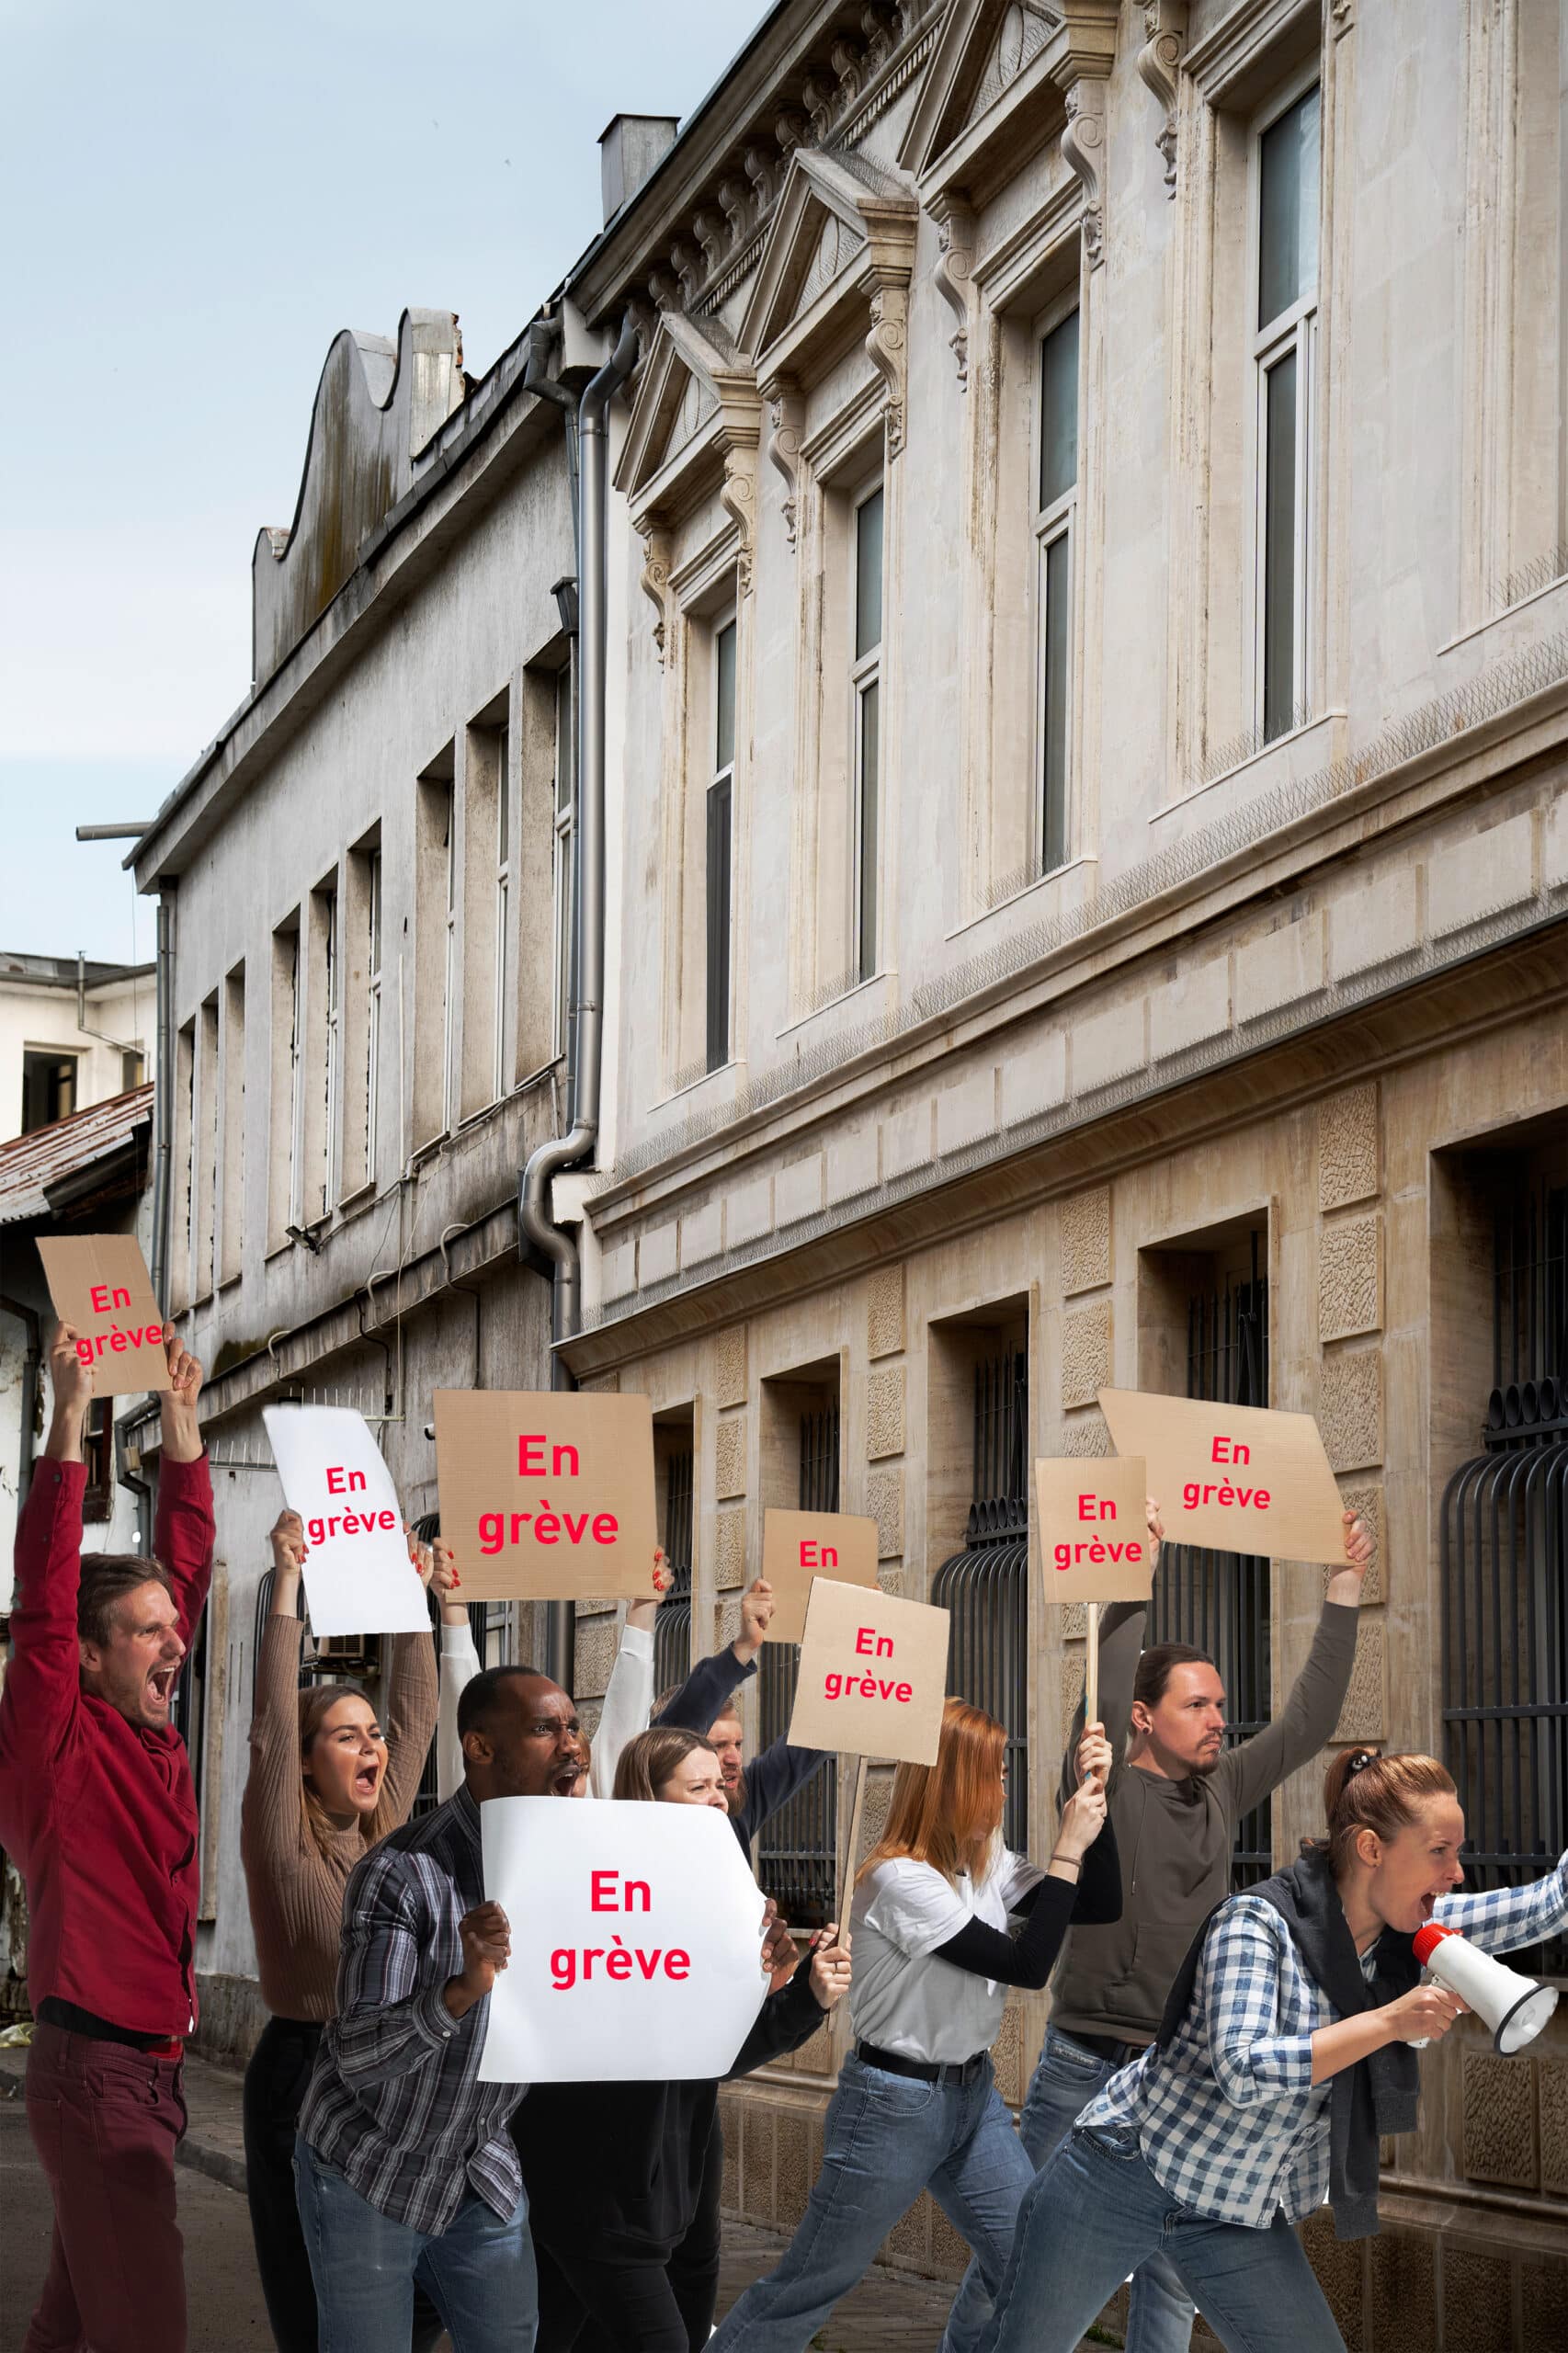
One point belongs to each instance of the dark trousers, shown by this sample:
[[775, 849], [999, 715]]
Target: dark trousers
[[105, 2120], [275, 2082], [595, 2302]]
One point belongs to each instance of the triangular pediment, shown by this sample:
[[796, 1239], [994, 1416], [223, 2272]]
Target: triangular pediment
[[990, 57], [696, 400], [839, 220]]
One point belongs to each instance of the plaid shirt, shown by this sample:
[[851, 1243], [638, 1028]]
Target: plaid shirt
[[394, 2104], [1228, 2117]]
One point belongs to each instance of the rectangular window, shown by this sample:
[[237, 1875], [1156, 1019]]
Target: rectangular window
[[503, 902], [97, 1453], [132, 1071], [866, 680], [1283, 357], [230, 1213], [449, 971], [1054, 525], [182, 1210], [720, 819], [373, 923], [564, 865], [49, 1089], [207, 1096], [283, 1127], [320, 1056], [434, 913]]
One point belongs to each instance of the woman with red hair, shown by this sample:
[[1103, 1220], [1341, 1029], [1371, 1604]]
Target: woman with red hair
[[916, 2107]]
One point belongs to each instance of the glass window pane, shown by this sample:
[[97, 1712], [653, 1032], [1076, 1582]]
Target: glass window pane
[[1059, 411], [868, 575], [1288, 224], [503, 798], [869, 755], [719, 925], [564, 752], [724, 674], [1279, 550], [1057, 590]]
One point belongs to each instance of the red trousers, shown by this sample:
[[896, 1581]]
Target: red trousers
[[105, 2120]]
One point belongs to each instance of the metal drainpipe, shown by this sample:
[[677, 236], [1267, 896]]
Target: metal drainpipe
[[535, 1215], [164, 1101]]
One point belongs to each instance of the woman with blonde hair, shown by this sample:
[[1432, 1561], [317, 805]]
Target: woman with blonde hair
[[623, 2179], [1285, 2054], [327, 1782], [916, 2107]]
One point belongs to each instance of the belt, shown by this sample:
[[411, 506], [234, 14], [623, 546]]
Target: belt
[[925, 2071], [71, 2018], [1106, 2047]]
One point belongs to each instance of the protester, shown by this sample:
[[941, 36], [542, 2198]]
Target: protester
[[1282, 2059], [624, 2178], [755, 1792], [628, 1701], [1177, 1796], [917, 2106], [325, 1783], [98, 1809], [404, 2167]]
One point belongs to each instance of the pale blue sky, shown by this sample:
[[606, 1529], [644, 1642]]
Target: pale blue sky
[[198, 199]]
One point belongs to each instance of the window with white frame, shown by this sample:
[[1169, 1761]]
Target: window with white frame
[[1055, 530], [719, 823], [450, 972], [332, 1007], [1285, 179], [294, 1065], [503, 898], [866, 690], [372, 1006], [566, 821]]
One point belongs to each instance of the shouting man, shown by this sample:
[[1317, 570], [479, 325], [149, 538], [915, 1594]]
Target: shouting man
[[98, 1809]]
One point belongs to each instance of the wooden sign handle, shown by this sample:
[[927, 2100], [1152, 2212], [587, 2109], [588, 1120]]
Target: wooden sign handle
[[851, 1846], [1092, 1667]]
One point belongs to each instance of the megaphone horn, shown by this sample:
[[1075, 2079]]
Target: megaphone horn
[[1514, 2007]]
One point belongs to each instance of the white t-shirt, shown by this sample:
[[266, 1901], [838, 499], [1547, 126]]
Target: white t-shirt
[[901, 1998]]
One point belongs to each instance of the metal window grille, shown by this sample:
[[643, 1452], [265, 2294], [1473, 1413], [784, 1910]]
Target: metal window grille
[[986, 1586], [1505, 1569], [797, 1853], [1220, 1601], [672, 1628]]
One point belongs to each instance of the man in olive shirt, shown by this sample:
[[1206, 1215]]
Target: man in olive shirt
[[1175, 1801]]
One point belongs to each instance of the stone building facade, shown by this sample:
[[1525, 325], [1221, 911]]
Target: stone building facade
[[1090, 861]]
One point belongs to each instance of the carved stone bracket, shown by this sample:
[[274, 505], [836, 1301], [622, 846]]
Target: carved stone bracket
[[787, 419], [654, 582], [955, 269], [1159, 61], [886, 350], [737, 496], [1083, 151]]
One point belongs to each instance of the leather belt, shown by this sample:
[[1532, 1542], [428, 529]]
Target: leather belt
[[949, 2072]]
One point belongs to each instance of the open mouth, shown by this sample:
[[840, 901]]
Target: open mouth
[[367, 1780], [161, 1683], [1429, 1903], [565, 1781]]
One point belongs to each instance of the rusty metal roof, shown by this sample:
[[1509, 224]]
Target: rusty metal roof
[[37, 1167]]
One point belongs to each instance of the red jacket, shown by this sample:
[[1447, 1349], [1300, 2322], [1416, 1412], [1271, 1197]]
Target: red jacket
[[100, 1813]]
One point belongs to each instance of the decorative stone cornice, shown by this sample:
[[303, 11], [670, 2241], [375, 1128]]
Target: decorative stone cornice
[[1158, 61]]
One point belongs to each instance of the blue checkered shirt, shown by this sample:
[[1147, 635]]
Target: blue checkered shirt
[[1228, 2117], [395, 2104]]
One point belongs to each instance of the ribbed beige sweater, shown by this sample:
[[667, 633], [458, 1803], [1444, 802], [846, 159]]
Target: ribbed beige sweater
[[296, 1891]]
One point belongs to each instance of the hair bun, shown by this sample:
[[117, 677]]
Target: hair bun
[[1359, 1762]]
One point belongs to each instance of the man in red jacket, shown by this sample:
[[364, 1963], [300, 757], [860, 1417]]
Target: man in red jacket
[[97, 1807]]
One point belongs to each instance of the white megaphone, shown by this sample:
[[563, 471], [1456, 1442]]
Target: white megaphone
[[1514, 2007]]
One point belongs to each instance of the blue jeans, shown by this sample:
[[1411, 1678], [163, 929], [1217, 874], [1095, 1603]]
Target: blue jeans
[[1096, 2212], [886, 2139], [479, 2271], [1159, 2318]]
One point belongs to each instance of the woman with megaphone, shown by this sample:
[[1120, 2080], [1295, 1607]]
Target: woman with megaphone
[[1287, 2051]]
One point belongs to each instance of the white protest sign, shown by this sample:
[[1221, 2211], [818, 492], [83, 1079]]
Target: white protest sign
[[636, 1942], [358, 1578]]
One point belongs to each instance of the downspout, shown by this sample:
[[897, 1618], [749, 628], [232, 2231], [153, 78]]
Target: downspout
[[535, 1211], [163, 1153]]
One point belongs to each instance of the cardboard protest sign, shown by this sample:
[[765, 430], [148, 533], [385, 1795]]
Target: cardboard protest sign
[[1236, 1477], [100, 1286], [547, 1496], [873, 1675], [800, 1545], [358, 1578], [1094, 1543], [636, 1941]]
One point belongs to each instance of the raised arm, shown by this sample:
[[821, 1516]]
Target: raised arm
[[410, 1707], [460, 1664], [184, 1531], [1312, 1710], [37, 1706], [705, 1694], [269, 1811]]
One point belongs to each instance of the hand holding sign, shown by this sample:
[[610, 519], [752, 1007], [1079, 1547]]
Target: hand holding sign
[[100, 1287], [358, 1571]]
